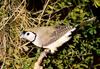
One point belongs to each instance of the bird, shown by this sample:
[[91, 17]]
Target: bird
[[48, 37]]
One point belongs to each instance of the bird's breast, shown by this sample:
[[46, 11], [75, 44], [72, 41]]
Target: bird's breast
[[37, 42]]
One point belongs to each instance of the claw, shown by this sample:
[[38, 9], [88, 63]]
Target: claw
[[53, 50]]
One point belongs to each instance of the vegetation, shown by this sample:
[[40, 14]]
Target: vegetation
[[81, 52]]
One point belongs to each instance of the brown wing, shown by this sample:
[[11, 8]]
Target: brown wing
[[52, 34]]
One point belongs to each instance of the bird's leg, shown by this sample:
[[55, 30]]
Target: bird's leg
[[53, 50]]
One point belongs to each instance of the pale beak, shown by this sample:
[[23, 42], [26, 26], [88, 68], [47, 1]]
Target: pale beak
[[21, 35]]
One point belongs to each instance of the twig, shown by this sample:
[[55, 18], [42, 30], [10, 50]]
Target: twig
[[43, 12], [36, 12], [91, 19], [40, 59]]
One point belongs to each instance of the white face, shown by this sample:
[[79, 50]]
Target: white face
[[28, 35]]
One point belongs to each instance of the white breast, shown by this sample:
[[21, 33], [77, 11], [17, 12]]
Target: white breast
[[37, 42]]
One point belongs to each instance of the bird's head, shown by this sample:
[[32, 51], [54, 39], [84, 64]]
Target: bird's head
[[31, 36]]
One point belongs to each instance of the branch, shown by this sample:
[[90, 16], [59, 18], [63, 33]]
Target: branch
[[40, 59]]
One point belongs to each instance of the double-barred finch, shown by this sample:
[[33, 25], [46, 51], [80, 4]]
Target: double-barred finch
[[50, 37]]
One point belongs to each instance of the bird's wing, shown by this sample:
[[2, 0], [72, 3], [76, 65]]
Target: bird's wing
[[50, 34]]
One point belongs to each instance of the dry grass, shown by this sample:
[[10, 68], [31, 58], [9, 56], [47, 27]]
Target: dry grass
[[14, 18]]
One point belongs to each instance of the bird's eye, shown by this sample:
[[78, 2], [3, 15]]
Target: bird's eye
[[27, 33]]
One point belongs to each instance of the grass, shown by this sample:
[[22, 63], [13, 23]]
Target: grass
[[76, 54]]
